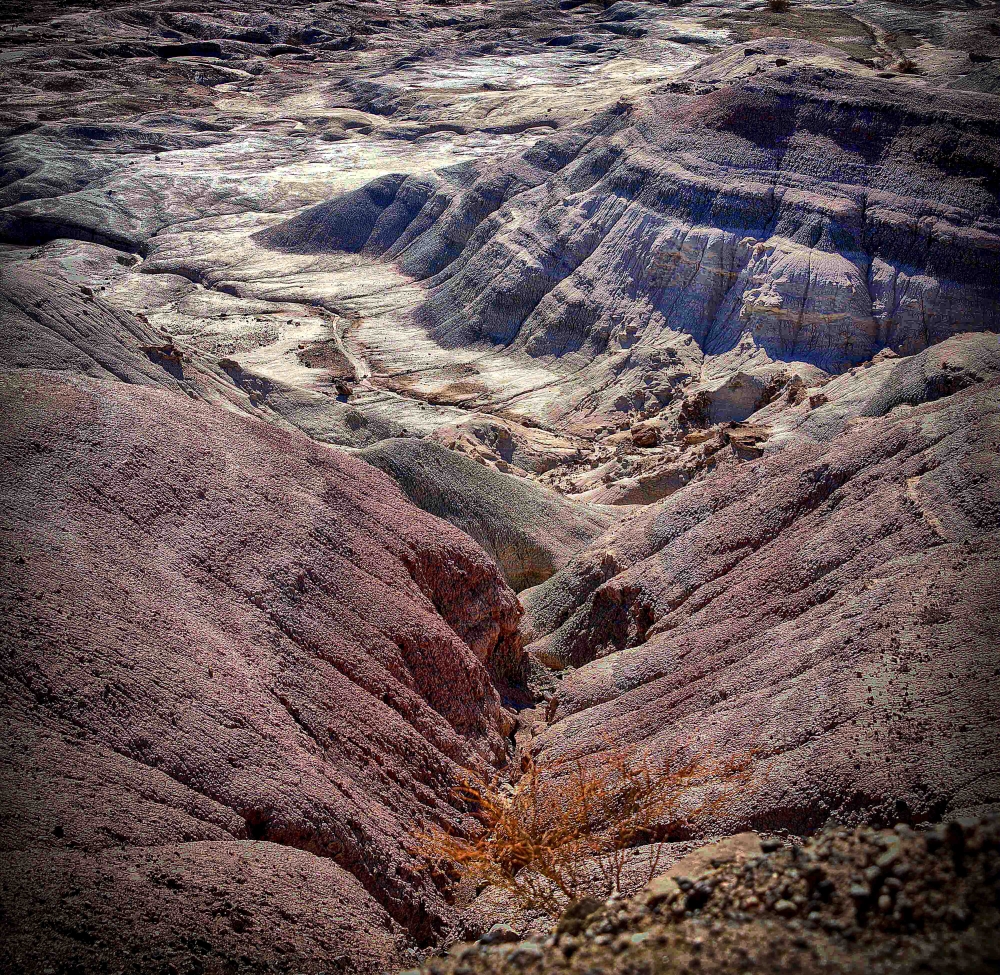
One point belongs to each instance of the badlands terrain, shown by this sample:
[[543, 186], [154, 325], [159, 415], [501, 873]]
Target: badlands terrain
[[397, 392]]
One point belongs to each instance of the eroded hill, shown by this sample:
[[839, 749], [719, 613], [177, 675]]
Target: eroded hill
[[678, 319]]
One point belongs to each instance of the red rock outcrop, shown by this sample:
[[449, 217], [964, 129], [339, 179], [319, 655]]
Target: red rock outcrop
[[238, 668], [833, 604]]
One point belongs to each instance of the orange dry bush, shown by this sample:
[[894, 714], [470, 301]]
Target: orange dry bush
[[569, 826]]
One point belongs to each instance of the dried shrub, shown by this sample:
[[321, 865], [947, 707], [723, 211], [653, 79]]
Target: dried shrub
[[905, 66], [569, 827], [779, 6]]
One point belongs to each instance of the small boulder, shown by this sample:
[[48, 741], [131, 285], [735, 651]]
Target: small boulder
[[500, 934], [525, 954], [661, 890], [645, 435], [576, 916]]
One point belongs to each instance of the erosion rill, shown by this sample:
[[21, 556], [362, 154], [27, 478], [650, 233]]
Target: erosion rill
[[499, 487]]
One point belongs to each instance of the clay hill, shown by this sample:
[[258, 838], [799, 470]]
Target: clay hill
[[392, 393], [237, 668], [830, 603], [529, 531]]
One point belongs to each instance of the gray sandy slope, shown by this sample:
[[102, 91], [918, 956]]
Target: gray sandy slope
[[530, 530]]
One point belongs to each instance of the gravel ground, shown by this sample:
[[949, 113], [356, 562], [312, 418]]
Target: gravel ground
[[888, 901]]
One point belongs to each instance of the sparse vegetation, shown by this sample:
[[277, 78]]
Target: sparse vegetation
[[570, 827], [905, 66], [779, 6]]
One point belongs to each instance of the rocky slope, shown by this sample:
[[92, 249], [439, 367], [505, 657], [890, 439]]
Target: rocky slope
[[845, 901], [829, 603], [236, 665]]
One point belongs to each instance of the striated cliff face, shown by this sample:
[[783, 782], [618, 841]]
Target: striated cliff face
[[231, 656], [772, 206]]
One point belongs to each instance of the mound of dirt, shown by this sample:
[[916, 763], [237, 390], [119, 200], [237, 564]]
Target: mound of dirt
[[530, 531]]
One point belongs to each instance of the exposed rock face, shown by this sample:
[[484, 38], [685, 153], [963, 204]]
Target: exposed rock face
[[530, 531], [221, 633], [822, 603]]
